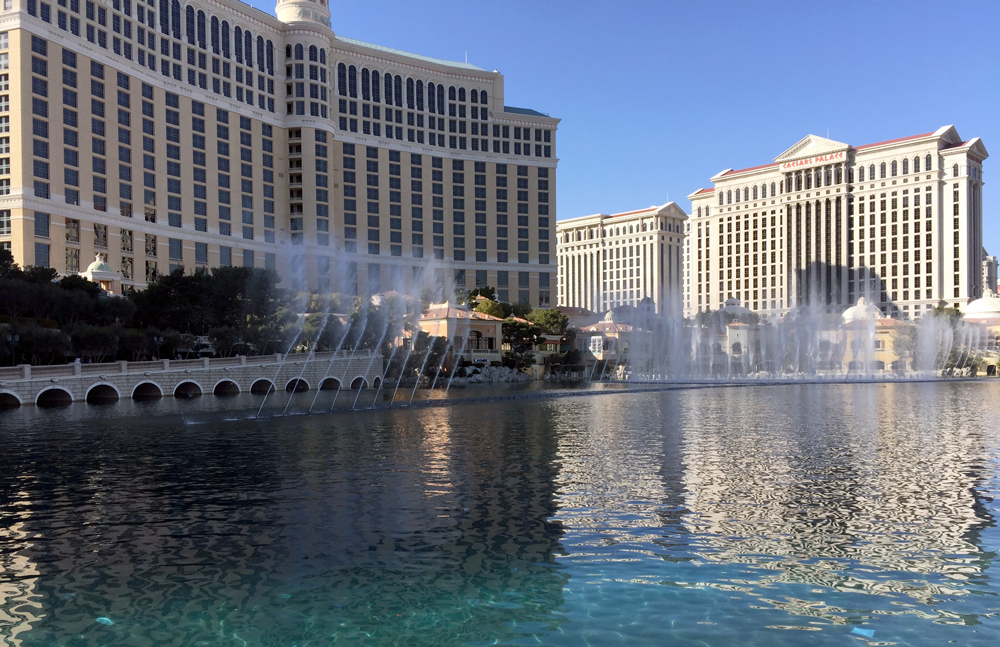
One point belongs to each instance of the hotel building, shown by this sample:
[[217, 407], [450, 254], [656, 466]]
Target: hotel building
[[898, 222], [989, 272], [607, 261], [165, 135]]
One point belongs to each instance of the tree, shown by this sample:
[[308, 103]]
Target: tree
[[550, 320], [520, 337], [520, 310], [493, 308], [7, 264], [99, 343]]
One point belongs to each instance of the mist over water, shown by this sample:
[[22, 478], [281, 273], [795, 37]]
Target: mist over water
[[777, 515]]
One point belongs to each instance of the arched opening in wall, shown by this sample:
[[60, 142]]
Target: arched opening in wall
[[262, 387], [9, 401], [376, 382], [330, 384], [226, 388], [146, 391], [54, 397], [296, 386], [102, 394], [359, 383], [187, 390]]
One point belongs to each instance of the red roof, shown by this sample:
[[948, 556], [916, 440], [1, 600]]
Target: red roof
[[629, 213], [700, 191], [751, 168], [893, 141], [890, 141]]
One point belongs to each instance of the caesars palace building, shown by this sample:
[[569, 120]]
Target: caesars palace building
[[897, 222], [165, 135]]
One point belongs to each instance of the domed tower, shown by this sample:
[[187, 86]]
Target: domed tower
[[303, 11]]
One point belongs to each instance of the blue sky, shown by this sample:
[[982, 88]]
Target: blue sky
[[656, 97]]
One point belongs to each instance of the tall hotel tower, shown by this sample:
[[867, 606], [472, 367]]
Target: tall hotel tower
[[899, 222], [164, 135]]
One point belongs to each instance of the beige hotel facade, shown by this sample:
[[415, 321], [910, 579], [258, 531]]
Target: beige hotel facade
[[898, 222], [607, 261], [165, 135]]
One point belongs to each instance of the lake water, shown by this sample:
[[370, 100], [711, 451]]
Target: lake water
[[707, 517]]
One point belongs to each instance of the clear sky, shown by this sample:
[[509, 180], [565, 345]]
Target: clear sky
[[657, 97]]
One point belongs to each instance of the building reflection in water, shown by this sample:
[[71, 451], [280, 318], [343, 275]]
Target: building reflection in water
[[390, 528], [862, 488], [20, 606]]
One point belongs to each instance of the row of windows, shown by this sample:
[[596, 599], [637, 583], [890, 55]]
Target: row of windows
[[373, 83]]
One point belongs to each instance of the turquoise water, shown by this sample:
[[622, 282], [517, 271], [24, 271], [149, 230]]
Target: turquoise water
[[738, 516]]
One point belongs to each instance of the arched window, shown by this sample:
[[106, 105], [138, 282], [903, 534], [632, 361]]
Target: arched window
[[366, 84], [906, 166], [388, 87], [482, 96], [189, 19], [299, 52], [410, 100], [927, 163], [755, 192], [398, 90], [225, 38], [451, 93], [954, 170], [809, 179], [201, 29], [376, 87], [165, 16], [175, 19], [630, 229], [827, 176], [871, 171], [313, 53], [474, 96], [342, 79], [288, 51], [461, 94], [215, 34], [269, 57], [729, 197], [720, 198], [840, 174], [916, 164], [440, 99], [644, 226], [260, 53], [352, 81], [881, 170], [430, 97], [322, 56], [238, 45], [893, 166], [699, 212], [248, 48], [861, 174], [420, 95]]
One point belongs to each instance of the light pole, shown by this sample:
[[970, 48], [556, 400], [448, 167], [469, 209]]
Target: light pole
[[12, 342], [157, 341]]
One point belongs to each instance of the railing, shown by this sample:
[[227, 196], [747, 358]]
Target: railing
[[27, 371]]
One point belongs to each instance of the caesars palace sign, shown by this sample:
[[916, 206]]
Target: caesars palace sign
[[809, 161]]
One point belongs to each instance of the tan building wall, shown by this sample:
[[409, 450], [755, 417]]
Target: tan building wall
[[611, 260], [162, 150]]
